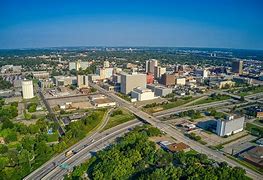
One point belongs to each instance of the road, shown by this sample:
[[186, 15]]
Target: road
[[195, 107], [226, 103], [213, 154], [102, 140], [48, 166], [60, 128]]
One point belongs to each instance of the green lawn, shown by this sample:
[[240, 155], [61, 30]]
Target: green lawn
[[210, 100], [124, 96], [53, 137], [250, 90], [254, 129], [119, 119], [160, 107]]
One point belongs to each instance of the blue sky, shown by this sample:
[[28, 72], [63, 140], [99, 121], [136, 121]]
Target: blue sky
[[177, 23]]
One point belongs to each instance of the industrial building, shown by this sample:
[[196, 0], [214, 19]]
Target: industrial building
[[230, 125], [142, 94], [131, 81], [101, 101], [27, 89]]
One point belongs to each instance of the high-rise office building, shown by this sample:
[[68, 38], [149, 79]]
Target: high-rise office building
[[150, 65], [168, 79], [159, 71], [27, 89], [131, 81], [82, 81], [237, 67]]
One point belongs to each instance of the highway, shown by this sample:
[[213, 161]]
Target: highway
[[225, 103], [82, 148], [213, 154], [195, 107], [49, 165], [102, 140]]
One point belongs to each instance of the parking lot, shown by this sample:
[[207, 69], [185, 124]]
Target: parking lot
[[240, 144], [58, 101]]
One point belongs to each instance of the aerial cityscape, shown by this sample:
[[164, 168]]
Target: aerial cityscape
[[131, 90]]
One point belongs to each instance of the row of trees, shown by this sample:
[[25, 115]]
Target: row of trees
[[27, 146], [135, 157]]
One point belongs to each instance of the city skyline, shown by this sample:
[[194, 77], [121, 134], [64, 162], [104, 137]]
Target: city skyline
[[211, 24]]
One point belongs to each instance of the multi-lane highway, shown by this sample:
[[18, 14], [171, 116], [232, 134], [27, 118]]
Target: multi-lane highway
[[48, 166], [99, 140], [102, 140], [83, 148], [213, 154]]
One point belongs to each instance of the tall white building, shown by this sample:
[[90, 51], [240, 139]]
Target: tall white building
[[27, 89], [82, 81], [106, 64], [72, 65], [78, 64], [229, 126], [159, 71], [150, 65]]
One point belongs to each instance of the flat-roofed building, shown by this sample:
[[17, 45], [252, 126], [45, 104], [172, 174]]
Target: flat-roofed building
[[40, 74], [102, 101], [254, 156], [65, 80], [78, 64], [27, 89], [237, 66], [230, 125], [142, 94], [180, 81], [178, 147], [159, 71], [162, 91], [150, 65], [131, 81], [83, 81], [168, 79]]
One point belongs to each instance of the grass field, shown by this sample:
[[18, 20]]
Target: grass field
[[161, 107], [254, 129], [119, 119], [210, 99]]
